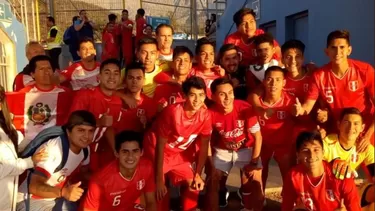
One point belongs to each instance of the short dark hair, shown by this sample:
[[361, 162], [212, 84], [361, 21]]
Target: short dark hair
[[128, 136], [75, 18], [80, 117], [306, 136], [225, 48], [238, 16], [201, 42], [219, 81], [274, 69], [112, 17], [125, 11], [141, 12], [84, 40], [110, 61], [263, 38], [134, 66], [178, 50], [157, 30], [51, 19], [193, 82], [147, 40], [293, 44], [149, 25], [348, 111], [81, 11], [338, 34], [35, 59]]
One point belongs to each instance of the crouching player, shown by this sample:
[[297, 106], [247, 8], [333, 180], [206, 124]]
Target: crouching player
[[311, 185], [342, 151], [236, 141], [168, 141], [117, 186]]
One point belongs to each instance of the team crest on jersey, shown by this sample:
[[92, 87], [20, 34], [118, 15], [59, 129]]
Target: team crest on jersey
[[219, 124], [305, 87], [330, 195], [140, 112], [281, 114], [354, 157], [39, 113], [141, 184], [240, 123], [255, 52], [353, 86]]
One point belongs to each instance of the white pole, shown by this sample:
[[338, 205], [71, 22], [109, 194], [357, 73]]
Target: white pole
[[33, 18], [26, 22]]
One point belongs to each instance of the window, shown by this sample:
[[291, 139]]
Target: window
[[297, 27]]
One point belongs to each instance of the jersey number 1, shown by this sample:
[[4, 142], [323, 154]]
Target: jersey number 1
[[179, 142]]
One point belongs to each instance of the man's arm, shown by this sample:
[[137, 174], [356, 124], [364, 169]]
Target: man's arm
[[257, 145], [52, 35], [109, 135], [150, 201], [350, 195], [79, 26], [39, 187], [203, 153], [159, 157]]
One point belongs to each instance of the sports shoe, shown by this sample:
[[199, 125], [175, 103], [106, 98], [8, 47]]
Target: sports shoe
[[223, 198]]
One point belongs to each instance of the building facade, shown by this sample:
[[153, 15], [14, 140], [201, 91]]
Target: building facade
[[310, 21]]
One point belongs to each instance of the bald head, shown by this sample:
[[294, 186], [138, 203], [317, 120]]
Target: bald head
[[33, 48]]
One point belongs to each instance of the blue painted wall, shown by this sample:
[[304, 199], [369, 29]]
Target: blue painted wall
[[356, 16]]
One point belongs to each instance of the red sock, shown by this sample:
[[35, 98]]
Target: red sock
[[189, 199]]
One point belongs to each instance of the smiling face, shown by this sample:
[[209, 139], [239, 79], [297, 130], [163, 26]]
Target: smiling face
[[230, 61], [311, 155], [182, 64], [147, 55], [224, 96], [195, 99], [248, 26], [129, 155], [206, 56], [350, 127], [293, 60], [81, 136], [274, 82], [109, 77], [338, 51]]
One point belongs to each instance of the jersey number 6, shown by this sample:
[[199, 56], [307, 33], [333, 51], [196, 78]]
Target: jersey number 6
[[116, 201]]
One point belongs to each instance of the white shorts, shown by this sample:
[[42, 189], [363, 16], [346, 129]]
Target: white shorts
[[224, 159]]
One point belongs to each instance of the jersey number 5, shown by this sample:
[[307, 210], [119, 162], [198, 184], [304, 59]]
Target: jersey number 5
[[329, 96], [116, 201], [179, 143]]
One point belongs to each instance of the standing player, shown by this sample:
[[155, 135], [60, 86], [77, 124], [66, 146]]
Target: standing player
[[138, 118], [164, 36], [83, 74], [236, 141], [170, 93], [126, 28], [343, 83], [243, 37], [109, 42], [106, 108], [118, 186], [311, 184], [174, 131], [276, 140], [141, 24]]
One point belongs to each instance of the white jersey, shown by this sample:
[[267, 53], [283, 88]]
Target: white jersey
[[168, 57], [47, 168], [259, 70], [80, 77]]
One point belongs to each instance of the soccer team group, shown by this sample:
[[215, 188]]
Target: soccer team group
[[180, 115]]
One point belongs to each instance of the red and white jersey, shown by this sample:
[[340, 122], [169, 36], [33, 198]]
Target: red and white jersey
[[131, 117], [46, 168], [80, 77], [181, 131], [109, 190], [317, 194], [277, 129], [34, 109], [95, 101], [248, 51], [170, 93], [207, 77], [233, 131], [354, 89], [166, 57], [255, 73], [21, 81]]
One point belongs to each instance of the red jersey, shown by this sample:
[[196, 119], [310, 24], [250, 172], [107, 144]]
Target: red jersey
[[233, 131], [131, 117], [181, 131], [80, 77], [21, 81], [248, 51], [141, 24], [109, 190], [207, 77], [354, 89], [95, 101], [277, 129], [170, 93], [324, 193], [111, 49]]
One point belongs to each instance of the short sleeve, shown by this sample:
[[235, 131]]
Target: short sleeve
[[150, 183], [162, 78], [92, 199], [164, 123], [67, 73], [18, 83], [80, 101], [370, 155], [53, 148], [327, 149], [350, 195], [207, 125], [313, 92], [370, 81]]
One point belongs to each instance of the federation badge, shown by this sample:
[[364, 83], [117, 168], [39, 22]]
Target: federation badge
[[140, 112], [141, 184], [353, 86], [281, 114], [39, 113], [330, 195], [240, 123]]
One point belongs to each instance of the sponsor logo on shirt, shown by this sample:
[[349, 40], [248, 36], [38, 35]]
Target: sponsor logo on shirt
[[39, 113], [353, 86], [117, 193], [232, 134], [141, 184]]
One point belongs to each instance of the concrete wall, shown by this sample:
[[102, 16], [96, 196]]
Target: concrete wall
[[323, 17]]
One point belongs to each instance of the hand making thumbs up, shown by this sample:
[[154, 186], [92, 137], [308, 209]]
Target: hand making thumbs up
[[72, 192], [106, 120]]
